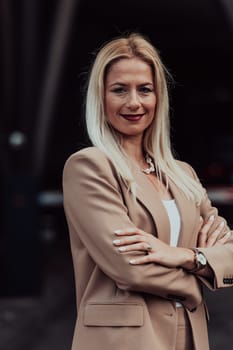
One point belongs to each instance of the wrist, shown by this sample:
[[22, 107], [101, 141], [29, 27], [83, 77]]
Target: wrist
[[195, 261], [189, 259]]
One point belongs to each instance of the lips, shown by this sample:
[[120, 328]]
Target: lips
[[132, 117]]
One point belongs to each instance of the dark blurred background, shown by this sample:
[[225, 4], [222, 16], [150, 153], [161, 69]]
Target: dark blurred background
[[46, 51]]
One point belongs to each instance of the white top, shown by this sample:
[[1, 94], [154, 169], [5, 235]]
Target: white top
[[174, 219]]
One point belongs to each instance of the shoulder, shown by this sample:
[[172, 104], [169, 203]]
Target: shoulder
[[184, 165], [88, 153], [89, 159], [187, 168]]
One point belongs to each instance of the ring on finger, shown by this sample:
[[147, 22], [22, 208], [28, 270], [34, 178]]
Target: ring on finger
[[148, 248]]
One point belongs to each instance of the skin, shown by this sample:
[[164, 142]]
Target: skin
[[130, 104], [159, 252]]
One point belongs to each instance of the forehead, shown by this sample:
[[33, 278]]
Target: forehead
[[130, 68]]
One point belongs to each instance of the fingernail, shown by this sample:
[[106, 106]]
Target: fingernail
[[116, 241], [228, 234], [122, 249], [132, 261], [221, 224], [117, 232], [201, 218], [211, 218]]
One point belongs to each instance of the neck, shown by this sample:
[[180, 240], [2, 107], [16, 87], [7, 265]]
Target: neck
[[133, 148]]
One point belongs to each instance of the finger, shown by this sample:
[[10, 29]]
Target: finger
[[142, 260], [214, 235], [202, 236], [128, 240], [224, 239], [201, 242], [201, 221], [207, 225], [203, 232], [129, 231], [136, 247]]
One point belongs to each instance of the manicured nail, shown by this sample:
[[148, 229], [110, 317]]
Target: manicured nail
[[221, 224], [131, 229], [116, 241], [122, 249], [211, 218], [132, 261], [228, 234], [117, 232]]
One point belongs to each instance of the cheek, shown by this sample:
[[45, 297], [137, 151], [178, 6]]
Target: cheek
[[152, 105], [111, 107], [107, 106], [155, 101]]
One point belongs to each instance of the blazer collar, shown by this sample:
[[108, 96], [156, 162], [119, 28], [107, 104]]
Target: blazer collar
[[147, 195]]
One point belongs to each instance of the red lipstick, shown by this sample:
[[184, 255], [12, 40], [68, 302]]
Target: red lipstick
[[132, 117]]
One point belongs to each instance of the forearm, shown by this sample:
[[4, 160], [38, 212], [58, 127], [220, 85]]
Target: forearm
[[169, 283]]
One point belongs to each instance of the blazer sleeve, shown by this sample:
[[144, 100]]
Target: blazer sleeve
[[94, 209], [219, 257]]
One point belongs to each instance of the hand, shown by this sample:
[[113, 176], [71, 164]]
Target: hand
[[206, 239], [134, 239]]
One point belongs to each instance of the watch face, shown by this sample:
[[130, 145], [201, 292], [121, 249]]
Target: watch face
[[202, 259]]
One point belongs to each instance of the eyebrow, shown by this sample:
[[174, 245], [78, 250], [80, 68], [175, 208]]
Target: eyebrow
[[125, 84]]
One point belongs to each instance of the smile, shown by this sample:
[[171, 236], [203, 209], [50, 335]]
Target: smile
[[132, 117]]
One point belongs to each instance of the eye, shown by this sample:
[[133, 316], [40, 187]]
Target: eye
[[146, 89], [119, 90]]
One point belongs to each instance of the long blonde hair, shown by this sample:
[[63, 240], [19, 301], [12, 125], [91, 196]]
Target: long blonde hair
[[156, 140]]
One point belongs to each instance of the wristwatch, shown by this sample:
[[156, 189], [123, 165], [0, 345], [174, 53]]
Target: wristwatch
[[200, 260]]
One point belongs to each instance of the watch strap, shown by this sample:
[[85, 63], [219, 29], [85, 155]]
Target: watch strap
[[198, 266]]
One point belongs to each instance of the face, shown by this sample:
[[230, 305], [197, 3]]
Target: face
[[130, 97]]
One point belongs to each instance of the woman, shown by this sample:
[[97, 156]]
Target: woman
[[134, 212]]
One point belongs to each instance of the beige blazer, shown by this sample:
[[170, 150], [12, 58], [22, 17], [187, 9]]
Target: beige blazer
[[121, 306]]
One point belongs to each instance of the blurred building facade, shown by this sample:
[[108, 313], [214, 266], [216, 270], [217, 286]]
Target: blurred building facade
[[46, 52]]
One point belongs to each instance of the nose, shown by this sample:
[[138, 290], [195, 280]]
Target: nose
[[133, 101]]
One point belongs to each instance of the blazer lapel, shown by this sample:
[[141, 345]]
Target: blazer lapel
[[188, 213], [147, 195]]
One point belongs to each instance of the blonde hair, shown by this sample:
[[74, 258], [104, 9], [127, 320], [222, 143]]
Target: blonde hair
[[156, 140]]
